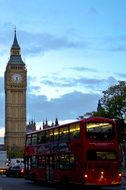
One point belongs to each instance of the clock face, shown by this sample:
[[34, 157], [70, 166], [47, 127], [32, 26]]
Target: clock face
[[16, 78]]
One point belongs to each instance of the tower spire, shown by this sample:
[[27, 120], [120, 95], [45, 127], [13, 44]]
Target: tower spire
[[15, 48], [15, 56]]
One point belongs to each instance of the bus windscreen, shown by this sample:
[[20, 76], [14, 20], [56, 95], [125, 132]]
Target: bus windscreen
[[101, 155]]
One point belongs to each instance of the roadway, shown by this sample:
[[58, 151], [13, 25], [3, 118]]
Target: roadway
[[11, 183]]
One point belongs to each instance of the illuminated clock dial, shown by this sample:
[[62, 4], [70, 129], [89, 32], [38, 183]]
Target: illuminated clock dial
[[16, 78]]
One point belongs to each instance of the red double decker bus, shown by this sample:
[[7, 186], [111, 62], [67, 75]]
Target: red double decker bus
[[84, 152]]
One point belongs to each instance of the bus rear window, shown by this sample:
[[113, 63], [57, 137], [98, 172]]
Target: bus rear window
[[99, 131], [101, 155]]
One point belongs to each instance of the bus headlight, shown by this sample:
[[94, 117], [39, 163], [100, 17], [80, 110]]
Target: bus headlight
[[102, 173], [120, 175], [85, 175]]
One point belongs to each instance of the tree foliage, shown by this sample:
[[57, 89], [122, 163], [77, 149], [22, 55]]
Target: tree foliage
[[113, 105], [114, 101]]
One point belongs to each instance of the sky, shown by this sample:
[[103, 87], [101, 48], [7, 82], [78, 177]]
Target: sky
[[73, 51]]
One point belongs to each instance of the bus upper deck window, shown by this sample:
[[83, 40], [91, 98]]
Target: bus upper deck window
[[41, 137], [99, 131], [34, 139], [28, 140], [56, 134], [51, 135], [74, 131], [64, 133], [47, 136]]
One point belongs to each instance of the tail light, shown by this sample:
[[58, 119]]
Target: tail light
[[22, 170]]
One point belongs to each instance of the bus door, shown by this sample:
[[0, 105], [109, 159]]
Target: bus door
[[49, 168], [27, 166]]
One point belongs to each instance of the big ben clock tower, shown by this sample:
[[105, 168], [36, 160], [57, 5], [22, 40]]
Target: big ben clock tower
[[15, 83]]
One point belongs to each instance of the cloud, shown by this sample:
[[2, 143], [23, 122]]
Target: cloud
[[122, 75], [114, 43], [2, 133], [68, 106], [92, 83], [1, 85], [39, 43], [36, 43], [118, 48], [2, 99], [82, 69], [42, 42], [30, 87], [1, 140], [92, 11]]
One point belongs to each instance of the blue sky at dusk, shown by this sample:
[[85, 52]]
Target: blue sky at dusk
[[73, 51]]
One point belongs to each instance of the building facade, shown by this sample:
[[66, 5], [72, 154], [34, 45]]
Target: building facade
[[31, 126], [15, 84]]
